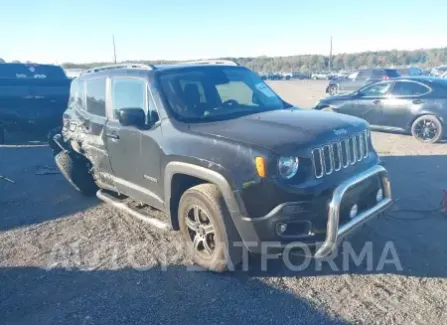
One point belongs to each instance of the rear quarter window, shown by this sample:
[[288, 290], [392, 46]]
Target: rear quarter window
[[96, 96]]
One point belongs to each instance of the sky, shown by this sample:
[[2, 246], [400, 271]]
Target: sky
[[58, 31]]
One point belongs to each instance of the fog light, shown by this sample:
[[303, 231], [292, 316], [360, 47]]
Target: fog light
[[282, 228], [379, 195], [353, 211]]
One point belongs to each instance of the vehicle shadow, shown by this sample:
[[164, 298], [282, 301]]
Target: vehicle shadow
[[32, 189], [408, 240], [153, 296], [444, 140]]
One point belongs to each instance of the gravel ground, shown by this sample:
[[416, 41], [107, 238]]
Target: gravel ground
[[65, 259]]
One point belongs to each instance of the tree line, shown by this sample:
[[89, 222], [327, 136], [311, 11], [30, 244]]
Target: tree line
[[424, 58]]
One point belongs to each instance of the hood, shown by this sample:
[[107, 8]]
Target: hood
[[285, 132]]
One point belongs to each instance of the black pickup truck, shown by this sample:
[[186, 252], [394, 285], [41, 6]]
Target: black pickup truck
[[33, 97], [227, 160]]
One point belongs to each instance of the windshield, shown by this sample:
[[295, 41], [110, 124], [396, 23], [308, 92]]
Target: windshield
[[31, 71], [217, 93]]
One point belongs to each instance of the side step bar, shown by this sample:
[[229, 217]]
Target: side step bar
[[103, 196]]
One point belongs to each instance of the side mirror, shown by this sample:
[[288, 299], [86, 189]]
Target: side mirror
[[132, 117], [153, 118]]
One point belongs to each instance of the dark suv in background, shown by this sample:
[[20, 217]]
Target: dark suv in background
[[359, 79], [227, 160]]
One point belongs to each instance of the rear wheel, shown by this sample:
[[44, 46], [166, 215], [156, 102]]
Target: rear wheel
[[333, 90], [427, 128], [76, 171], [202, 212]]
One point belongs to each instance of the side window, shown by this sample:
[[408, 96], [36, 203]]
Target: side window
[[363, 74], [96, 96], [128, 93], [376, 90], [236, 90], [409, 89]]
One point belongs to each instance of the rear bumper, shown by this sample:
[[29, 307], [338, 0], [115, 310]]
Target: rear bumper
[[322, 224]]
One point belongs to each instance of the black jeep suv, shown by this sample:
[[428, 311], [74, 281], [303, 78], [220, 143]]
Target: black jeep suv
[[227, 160]]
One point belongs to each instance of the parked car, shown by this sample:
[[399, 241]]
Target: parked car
[[411, 72], [437, 72], [301, 75], [32, 97], [416, 105], [359, 79], [320, 76], [223, 156]]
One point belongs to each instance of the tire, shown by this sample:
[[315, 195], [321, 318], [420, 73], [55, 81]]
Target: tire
[[333, 90], [427, 122], [76, 172], [206, 202]]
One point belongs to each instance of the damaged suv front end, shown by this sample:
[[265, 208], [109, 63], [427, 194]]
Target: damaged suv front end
[[314, 184]]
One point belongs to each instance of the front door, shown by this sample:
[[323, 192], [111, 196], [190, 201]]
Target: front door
[[134, 153], [368, 103], [405, 97]]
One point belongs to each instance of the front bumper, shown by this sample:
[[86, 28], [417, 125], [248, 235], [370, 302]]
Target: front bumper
[[335, 233], [326, 214]]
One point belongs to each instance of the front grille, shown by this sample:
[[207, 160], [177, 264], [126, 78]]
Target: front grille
[[342, 154]]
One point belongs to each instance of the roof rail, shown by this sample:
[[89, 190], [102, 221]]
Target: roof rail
[[226, 62], [120, 66]]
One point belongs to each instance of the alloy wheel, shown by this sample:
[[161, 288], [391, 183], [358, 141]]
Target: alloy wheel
[[426, 130], [201, 232]]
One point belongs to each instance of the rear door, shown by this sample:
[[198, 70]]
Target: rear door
[[405, 97], [88, 118], [134, 153], [367, 104]]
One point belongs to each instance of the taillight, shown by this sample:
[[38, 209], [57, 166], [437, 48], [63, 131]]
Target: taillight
[[385, 78]]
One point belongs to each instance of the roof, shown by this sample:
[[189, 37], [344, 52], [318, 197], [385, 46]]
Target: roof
[[151, 67]]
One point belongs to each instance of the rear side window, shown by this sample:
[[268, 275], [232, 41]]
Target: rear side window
[[77, 93], [363, 74], [128, 93], [96, 96], [74, 92], [409, 89]]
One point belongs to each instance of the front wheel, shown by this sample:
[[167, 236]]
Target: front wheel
[[427, 128], [202, 212]]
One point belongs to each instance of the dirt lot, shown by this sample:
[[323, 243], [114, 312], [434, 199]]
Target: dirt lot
[[65, 259]]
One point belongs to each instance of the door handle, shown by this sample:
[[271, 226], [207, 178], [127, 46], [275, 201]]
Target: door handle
[[377, 102], [418, 101], [113, 135]]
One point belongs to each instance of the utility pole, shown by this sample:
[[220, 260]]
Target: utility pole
[[330, 57], [114, 48]]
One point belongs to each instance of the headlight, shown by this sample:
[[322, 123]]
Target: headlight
[[288, 166]]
